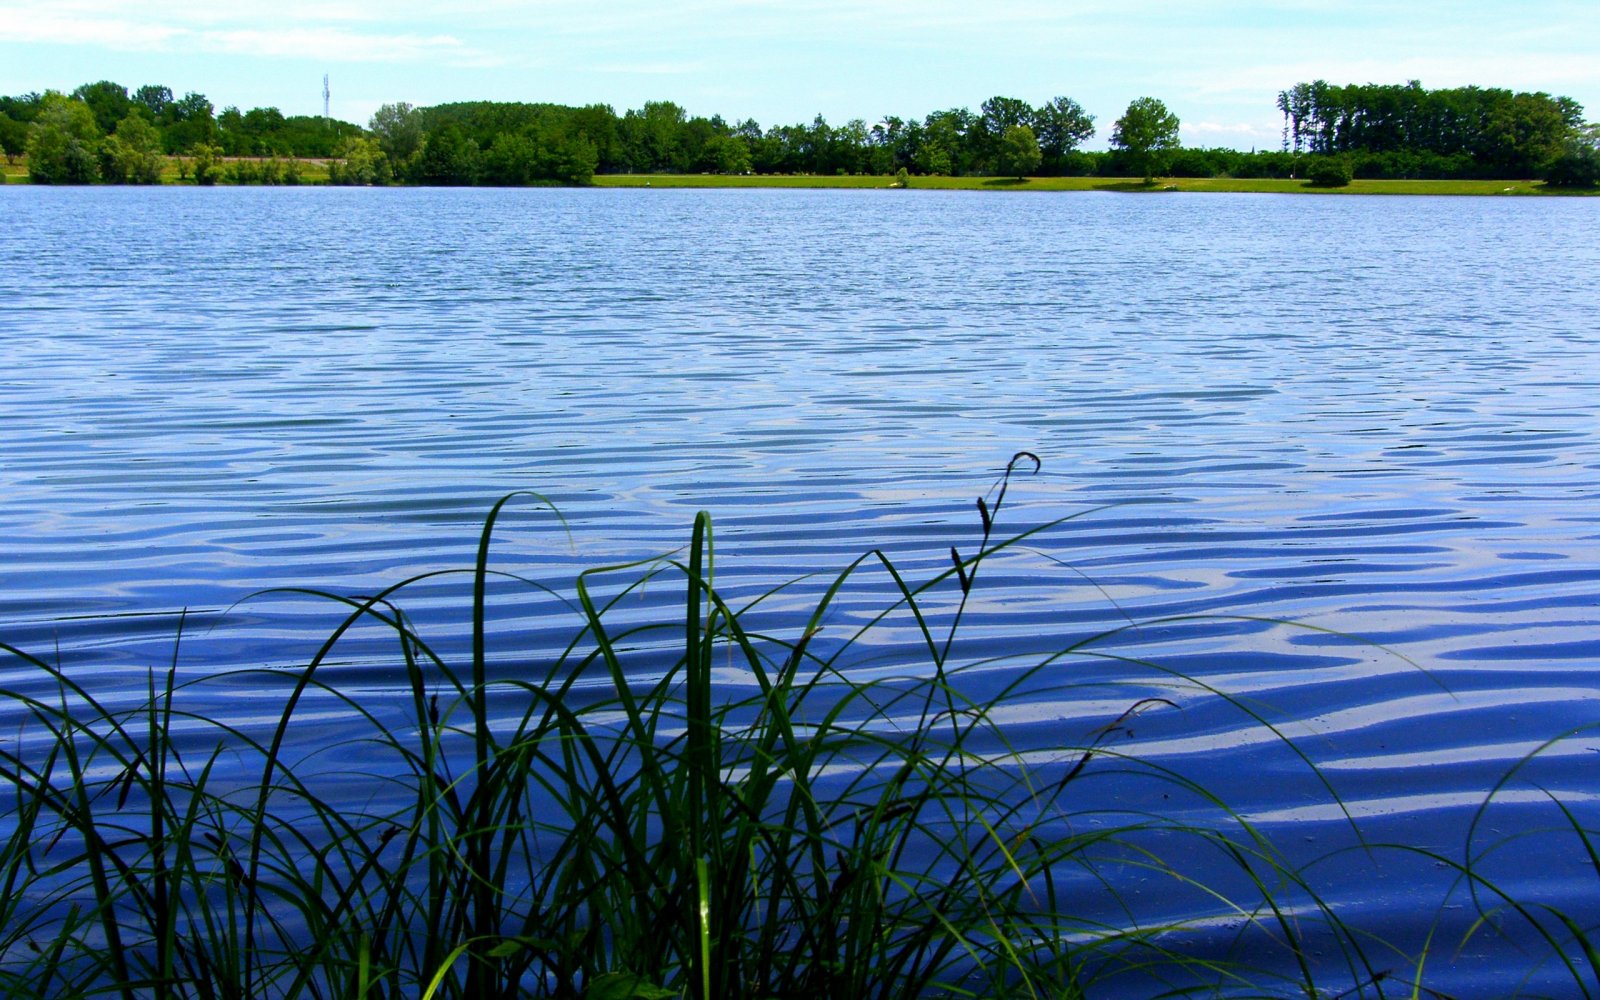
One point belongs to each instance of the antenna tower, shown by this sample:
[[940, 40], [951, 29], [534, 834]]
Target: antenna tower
[[325, 95]]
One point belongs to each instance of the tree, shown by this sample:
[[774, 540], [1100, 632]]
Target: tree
[[364, 163], [108, 101], [399, 130], [1018, 154], [206, 159], [63, 143], [1149, 132], [995, 117], [1578, 165], [155, 99], [13, 138], [132, 154], [1060, 126], [191, 123], [1330, 171], [449, 157], [726, 154]]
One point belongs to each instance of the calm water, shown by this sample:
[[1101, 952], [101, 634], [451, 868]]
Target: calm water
[[1372, 416]]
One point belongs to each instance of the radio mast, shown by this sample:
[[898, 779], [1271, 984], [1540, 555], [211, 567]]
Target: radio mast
[[325, 95]]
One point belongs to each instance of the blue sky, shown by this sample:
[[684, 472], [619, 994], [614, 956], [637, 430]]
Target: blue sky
[[1218, 65]]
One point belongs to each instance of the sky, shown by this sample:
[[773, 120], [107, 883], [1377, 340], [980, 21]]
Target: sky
[[1218, 65]]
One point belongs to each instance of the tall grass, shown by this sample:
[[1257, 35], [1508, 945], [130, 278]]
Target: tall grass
[[623, 822]]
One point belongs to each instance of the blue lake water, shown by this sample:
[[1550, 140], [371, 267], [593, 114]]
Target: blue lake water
[[1372, 416]]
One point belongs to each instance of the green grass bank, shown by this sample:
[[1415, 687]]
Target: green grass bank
[[1121, 184], [316, 172]]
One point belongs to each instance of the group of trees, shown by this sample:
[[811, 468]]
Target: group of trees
[[103, 132], [518, 143], [1461, 131]]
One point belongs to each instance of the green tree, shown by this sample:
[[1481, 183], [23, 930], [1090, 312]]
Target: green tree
[[514, 159], [207, 159], [398, 128], [362, 162], [449, 157], [108, 101], [1330, 171], [576, 160], [725, 154], [190, 122], [63, 143], [155, 99], [1578, 165], [1061, 126], [13, 138], [1018, 154], [1149, 133], [132, 154]]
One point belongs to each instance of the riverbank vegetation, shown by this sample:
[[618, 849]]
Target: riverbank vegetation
[[699, 797], [102, 132]]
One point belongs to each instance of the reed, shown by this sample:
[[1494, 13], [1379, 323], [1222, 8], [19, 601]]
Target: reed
[[633, 825]]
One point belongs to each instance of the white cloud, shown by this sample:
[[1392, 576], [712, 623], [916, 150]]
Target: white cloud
[[97, 24]]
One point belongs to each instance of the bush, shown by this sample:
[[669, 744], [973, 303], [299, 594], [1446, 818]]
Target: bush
[[1578, 167], [1331, 172]]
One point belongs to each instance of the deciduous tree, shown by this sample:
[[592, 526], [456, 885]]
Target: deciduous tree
[[1060, 126], [132, 154], [1149, 132], [63, 143], [1019, 153]]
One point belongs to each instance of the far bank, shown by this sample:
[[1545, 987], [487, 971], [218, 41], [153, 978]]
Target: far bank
[[316, 172]]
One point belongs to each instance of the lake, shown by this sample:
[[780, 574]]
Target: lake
[[1373, 417]]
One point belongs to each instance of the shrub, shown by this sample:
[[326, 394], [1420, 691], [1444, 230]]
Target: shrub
[[1330, 171], [1578, 167]]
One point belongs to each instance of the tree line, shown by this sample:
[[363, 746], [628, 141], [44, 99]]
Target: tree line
[[102, 131], [1459, 132]]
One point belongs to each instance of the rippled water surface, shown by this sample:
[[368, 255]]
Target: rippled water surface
[[1372, 416]]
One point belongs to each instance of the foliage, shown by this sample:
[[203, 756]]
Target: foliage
[[13, 138], [1061, 125], [63, 143], [450, 158], [205, 163], [132, 154], [1330, 171], [107, 101], [398, 129], [688, 807], [726, 154], [1387, 133], [1148, 132], [902, 178], [1019, 153], [1578, 165], [1507, 134], [363, 163]]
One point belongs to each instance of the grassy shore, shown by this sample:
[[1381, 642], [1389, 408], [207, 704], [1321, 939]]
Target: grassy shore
[[316, 172], [1203, 184]]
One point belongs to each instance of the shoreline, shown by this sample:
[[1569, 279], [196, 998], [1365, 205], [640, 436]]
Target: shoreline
[[315, 175]]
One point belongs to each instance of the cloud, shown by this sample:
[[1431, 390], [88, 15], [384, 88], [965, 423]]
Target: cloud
[[1231, 133], [90, 24]]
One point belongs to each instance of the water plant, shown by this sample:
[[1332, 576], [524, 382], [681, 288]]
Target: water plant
[[693, 806]]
